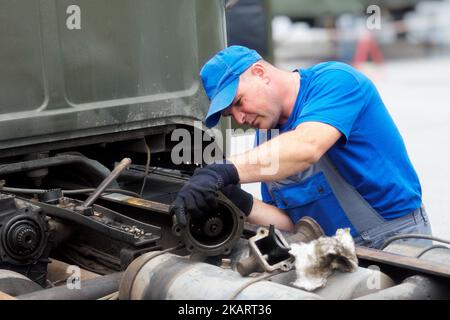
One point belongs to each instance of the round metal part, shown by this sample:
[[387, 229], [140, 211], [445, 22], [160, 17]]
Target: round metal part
[[23, 238], [213, 227], [218, 233], [306, 230]]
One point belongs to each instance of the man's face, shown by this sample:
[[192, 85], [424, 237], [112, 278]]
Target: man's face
[[254, 103]]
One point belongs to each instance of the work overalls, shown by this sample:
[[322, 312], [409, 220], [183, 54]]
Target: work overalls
[[323, 194]]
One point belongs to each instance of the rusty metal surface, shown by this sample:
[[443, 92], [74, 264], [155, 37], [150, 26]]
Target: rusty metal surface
[[137, 202], [401, 261]]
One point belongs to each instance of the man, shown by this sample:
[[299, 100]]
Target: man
[[340, 157]]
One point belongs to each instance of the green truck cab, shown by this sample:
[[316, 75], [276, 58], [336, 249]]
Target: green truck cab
[[74, 73]]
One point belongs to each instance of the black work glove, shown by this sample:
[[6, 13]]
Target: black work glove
[[241, 199], [198, 195]]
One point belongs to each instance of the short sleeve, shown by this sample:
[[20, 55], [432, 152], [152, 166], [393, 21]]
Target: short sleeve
[[336, 98]]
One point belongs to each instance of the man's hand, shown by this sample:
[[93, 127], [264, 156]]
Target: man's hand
[[198, 195]]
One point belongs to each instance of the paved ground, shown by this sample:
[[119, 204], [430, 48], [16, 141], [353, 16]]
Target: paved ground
[[417, 93]]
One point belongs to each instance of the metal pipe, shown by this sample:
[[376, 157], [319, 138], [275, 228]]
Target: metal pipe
[[13, 283], [171, 277], [59, 271], [344, 285], [306, 230], [108, 180], [413, 288], [88, 290]]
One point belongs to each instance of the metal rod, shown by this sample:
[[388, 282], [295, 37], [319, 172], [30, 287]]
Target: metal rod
[[108, 180], [403, 262]]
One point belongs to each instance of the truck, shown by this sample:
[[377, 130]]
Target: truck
[[94, 96]]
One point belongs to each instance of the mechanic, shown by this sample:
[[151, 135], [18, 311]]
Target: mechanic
[[340, 157]]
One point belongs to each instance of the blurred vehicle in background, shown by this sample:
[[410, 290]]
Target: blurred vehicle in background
[[317, 12], [332, 30], [248, 24]]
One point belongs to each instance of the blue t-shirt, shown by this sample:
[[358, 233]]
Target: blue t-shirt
[[371, 154]]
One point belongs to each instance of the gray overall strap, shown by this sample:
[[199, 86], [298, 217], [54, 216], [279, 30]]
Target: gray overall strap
[[358, 210]]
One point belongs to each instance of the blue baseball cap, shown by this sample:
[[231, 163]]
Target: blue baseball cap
[[220, 77]]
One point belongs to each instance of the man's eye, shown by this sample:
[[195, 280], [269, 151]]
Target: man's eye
[[238, 103]]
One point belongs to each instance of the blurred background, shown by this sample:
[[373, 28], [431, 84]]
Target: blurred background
[[402, 45]]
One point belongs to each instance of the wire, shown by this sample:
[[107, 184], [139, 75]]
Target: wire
[[437, 246], [254, 280], [412, 236], [147, 167], [23, 190], [77, 191], [125, 192]]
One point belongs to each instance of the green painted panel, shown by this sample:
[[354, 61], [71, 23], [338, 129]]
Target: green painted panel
[[133, 64], [21, 73]]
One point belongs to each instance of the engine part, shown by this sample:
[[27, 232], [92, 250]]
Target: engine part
[[306, 230], [269, 251], [215, 235], [51, 196], [14, 284], [24, 245], [150, 206], [91, 289], [171, 277], [103, 220]]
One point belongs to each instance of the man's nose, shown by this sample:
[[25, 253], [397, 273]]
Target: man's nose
[[239, 117]]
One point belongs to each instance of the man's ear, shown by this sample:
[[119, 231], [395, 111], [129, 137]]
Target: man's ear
[[259, 70]]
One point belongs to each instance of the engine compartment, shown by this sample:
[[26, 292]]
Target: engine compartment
[[79, 215]]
